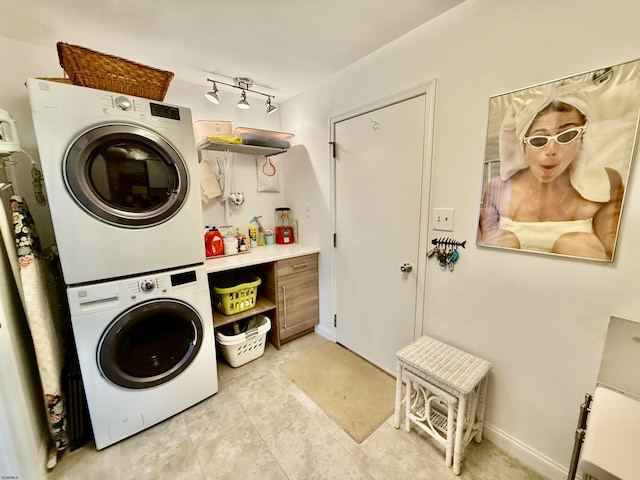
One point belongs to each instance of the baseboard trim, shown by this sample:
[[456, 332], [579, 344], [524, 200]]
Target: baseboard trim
[[527, 455], [323, 332]]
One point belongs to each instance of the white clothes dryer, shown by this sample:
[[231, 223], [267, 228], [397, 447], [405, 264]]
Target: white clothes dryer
[[146, 349], [121, 176]]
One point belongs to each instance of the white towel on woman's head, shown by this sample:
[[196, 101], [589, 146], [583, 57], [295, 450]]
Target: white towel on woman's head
[[592, 183]]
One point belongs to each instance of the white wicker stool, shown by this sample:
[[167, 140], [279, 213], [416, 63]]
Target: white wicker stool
[[445, 395]]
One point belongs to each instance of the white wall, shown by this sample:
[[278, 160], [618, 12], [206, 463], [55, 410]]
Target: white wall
[[540, 320], [256, 203]]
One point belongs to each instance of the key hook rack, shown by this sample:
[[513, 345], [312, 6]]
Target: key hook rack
[[446, 251], [448, 242]]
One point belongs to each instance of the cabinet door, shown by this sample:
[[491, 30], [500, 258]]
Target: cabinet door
[[298, 308]]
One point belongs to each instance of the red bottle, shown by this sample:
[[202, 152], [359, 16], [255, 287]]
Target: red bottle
[[213, 243]]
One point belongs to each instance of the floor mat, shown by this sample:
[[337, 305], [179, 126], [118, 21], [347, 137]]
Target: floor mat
[[354, 393]]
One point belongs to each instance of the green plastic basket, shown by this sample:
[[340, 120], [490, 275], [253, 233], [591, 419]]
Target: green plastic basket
[[234, 292]]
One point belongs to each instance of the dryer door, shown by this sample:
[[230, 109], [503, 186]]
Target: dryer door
[[126, 175], [150, 343]]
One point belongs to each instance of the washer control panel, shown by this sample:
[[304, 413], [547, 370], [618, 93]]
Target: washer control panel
[[147, 285]]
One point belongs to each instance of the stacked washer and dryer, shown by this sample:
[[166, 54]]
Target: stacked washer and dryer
[[121, 178]]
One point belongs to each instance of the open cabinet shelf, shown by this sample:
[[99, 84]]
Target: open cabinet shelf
[[262, 305]]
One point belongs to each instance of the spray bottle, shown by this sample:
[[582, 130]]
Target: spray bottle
[[260, 232]]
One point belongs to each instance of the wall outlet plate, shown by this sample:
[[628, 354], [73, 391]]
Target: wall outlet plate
[[443, 219]]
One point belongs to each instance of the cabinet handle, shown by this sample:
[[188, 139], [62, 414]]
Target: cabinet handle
[[284, 306], [300, 265]]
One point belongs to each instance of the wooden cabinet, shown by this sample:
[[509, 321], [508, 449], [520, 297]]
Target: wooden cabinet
[[288, 293], [292, 285]]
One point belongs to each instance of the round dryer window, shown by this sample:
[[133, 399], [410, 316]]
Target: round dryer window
[[150, 344], [126, 175]]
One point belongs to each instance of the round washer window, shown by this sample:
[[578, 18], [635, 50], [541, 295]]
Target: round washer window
[[150, 344], [126, 175]]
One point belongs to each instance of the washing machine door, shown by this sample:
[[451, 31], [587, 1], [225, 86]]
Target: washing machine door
[[150, 343], [126, 175]]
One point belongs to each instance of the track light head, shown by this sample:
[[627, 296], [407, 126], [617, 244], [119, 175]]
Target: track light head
[[270, 108], [243, 104], [212, 95]]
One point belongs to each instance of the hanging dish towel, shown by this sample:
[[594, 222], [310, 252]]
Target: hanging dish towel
[[39, 310], [268, 169], [209, 186]]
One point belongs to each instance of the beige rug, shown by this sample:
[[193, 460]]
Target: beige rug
[[357, 395]]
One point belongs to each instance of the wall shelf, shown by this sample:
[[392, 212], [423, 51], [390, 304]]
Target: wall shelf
[[240, 148]]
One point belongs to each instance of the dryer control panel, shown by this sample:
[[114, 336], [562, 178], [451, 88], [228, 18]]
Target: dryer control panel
[[165, 111]]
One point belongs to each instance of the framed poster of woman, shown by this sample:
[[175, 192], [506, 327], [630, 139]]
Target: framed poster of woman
[[556, 165]]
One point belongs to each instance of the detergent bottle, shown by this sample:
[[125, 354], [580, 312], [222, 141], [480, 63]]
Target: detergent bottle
[[213, 243]]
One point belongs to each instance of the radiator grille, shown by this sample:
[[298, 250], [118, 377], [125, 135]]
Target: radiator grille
[[78, 423]]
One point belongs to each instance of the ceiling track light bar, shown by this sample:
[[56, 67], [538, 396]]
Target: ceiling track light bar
[[244, 84]]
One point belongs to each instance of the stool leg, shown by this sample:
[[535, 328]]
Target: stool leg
[[407, 407], [396, 415], [457, 448], [449, 445], [482, 395]]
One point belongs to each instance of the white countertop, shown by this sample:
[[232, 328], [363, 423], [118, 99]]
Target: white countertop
[[258, 255]]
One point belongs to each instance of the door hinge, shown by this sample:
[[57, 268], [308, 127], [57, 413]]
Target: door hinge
[[333, 149], [335, 240], [335, 320]]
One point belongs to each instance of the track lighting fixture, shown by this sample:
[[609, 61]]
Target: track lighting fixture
[[244, 84]]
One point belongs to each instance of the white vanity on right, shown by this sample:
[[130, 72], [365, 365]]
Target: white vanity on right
[[611, 449]]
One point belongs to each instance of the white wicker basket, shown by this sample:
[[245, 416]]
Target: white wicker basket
[[240, 349]]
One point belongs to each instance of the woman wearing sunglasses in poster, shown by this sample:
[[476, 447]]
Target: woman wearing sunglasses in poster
[[548, 197]]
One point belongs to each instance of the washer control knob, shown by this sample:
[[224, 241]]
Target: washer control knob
[[123, 103], [147, 285]]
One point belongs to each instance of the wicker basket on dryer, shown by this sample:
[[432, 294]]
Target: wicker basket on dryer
[[92, 69]]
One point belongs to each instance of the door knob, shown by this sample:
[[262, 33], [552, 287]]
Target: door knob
[[406, 267]]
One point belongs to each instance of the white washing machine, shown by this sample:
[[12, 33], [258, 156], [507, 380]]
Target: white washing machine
[[146, 349], [121, 178]]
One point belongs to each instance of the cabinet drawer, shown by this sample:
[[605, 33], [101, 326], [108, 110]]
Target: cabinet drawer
[[297, 264]]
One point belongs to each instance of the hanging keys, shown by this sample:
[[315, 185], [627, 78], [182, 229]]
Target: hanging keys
[[442, 257], [451, 260], [446, 251]]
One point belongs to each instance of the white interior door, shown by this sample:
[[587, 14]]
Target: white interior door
[[378, 186]]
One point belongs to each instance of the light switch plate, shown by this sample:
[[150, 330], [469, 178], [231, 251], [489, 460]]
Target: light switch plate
[[443, 219]]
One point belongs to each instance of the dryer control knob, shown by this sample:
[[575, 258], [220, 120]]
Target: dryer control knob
[[147, 285], [123, 103]]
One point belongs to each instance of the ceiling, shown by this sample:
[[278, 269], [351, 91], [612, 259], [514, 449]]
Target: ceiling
[[285, 46]]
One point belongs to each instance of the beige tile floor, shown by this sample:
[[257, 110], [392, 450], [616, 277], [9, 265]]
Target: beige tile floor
[[261, 426]]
